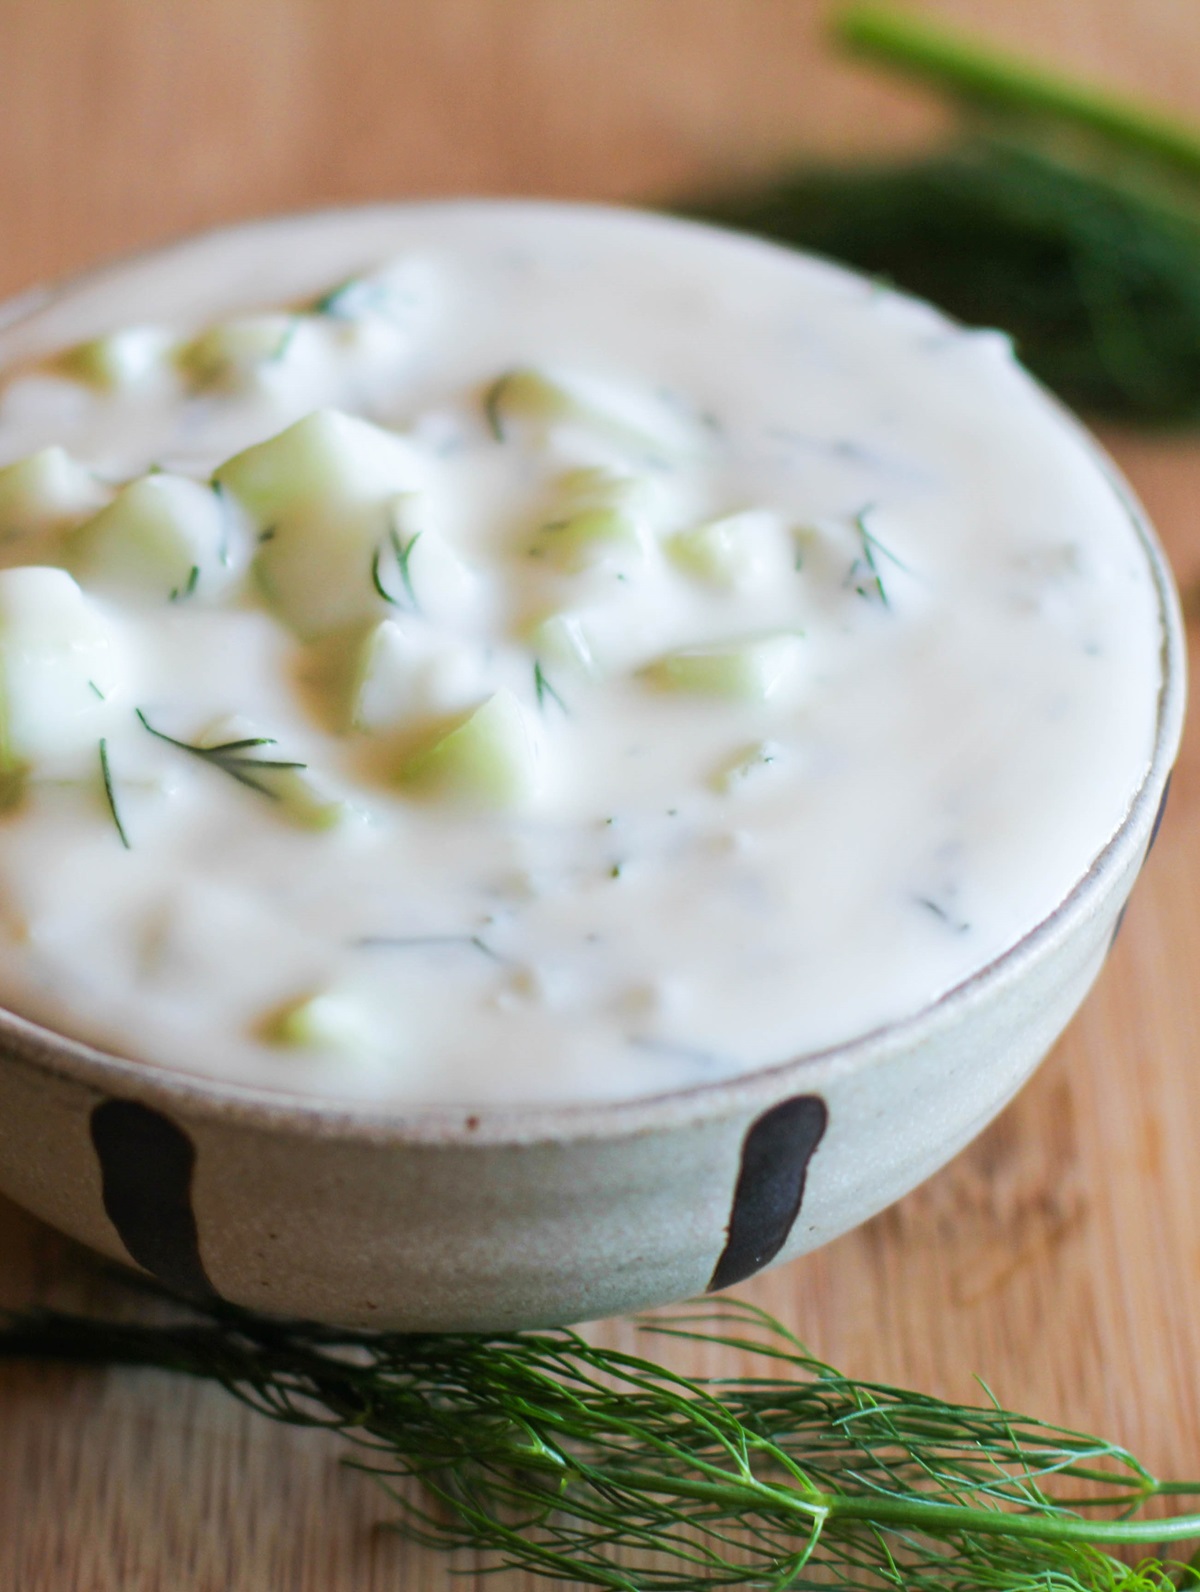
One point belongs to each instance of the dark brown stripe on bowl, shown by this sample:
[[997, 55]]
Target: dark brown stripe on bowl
[[146, 1166], [770, 1187]]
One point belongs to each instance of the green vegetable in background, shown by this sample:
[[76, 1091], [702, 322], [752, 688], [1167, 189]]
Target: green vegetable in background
[[1066, 217]]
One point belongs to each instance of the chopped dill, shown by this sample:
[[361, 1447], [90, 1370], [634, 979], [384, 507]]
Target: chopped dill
[[491, 408], [224, 551], [615, 871], [268, 535], [402, 552], [355, 298], [544, 689], [229, 757], [412, 942], [280, 351], [110, 794], [333, 303], [867, 566], [92, 686], [956, 924], [182, 593]]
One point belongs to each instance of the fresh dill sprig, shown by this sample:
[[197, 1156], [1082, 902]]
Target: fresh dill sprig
[[110, 794], [543, 1452], [230, 757], [543, 689], [402, 552]]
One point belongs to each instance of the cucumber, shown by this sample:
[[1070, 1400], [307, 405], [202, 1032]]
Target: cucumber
[[46, 492], [563, 638], [162, 538], [488, 759], [406, 672], [319, 494], [120, 360], [598, 520], [727, 552], [324, 1020], [751, 671], [60, 669], [232, 353], [417, 569], [528, 403]]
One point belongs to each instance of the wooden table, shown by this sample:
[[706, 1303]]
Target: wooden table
[[1060, 1255]]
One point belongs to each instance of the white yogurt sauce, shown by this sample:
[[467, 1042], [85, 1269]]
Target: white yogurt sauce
[[763, 785]]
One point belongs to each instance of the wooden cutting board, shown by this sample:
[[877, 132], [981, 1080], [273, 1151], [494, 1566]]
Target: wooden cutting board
[[1059, 1256]]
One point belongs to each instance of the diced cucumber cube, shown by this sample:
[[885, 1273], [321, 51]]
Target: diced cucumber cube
[[230, 354], [754, 671], [527, 395], [598, 520], [46, 492], [563, 638], [401, 674], [160, 539], [319, 495], [327, 460], [119, 360], [725, 552], [326, 1020], [381, 688], [591, 487], [303, 799], [488, 759], [592, 539], [59, 669], [417, 568], [530, 400]]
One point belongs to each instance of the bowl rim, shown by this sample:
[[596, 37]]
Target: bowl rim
[[499, 1125]]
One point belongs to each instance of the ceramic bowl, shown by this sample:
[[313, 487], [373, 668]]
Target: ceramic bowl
[[447, 1219]]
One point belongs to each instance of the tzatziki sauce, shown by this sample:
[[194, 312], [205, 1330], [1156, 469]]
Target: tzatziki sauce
[[511, 652]]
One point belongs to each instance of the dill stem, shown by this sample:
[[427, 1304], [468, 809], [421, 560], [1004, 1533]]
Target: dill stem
[[741, 1493], [991, 78], [938, 1519]]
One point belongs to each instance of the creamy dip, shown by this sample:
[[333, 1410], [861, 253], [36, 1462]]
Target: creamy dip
[[644, 656]]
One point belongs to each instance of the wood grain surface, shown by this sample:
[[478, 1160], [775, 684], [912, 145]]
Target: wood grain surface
[[1060, 1255]]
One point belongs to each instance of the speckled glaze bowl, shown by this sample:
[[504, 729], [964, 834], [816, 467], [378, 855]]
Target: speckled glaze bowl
[[448, 1219]]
